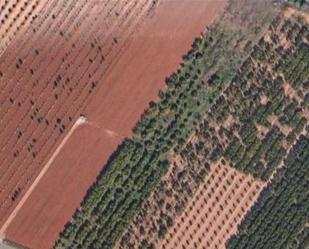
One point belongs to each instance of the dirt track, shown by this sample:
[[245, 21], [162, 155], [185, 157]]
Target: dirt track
[[80, 121], [104, 59]]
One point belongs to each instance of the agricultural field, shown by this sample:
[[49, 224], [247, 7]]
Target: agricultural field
[[280, 217], [59, 88], [45, 101], [115, 133], [215, 210], [241, 128], [138, 164], [15, 18], [263, 111]]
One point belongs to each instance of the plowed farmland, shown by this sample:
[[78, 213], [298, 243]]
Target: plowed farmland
[[102, 60], [15, 18]]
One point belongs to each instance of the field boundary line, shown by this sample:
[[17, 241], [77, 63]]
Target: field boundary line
[[81, 120]]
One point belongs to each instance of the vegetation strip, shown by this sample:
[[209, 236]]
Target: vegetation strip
[[279, 218], [220, 103], [139, 163]]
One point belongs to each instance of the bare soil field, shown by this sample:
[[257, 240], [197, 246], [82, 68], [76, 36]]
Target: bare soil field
[[15, 18], [215, 211], [104, 59]]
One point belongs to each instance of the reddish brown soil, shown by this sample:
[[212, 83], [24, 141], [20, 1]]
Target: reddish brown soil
[[105, 59], [15, 18]]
